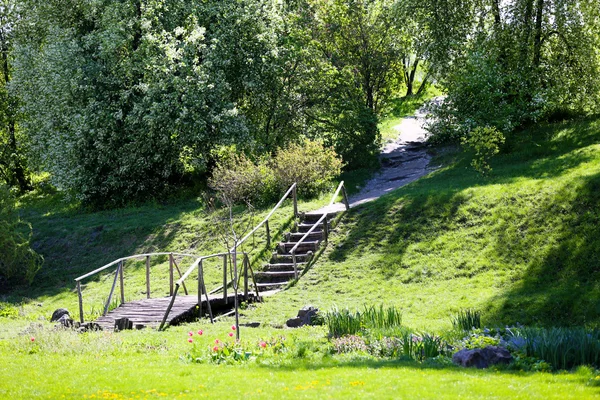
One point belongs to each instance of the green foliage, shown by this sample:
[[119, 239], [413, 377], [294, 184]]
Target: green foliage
[[520, 62], [467, 319], [8, 310], [241, 180], [563, 348], [18, 262], [485, 142], [344, 322], [310, 164]]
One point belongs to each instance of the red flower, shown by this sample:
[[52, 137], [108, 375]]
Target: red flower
[[217, 341], [263, 344], [216, 348], [230, 334], [190, 333], [33, 339], [190, 340], [200, 332], [233, 327]]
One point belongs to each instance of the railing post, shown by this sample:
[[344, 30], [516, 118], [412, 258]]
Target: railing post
[[295, 199], [246, 263], [162, 324], [147, 277], [200, 279], [203, 289], [112, 290], [225, 278], [295, 264], [171, 274], [326, 228], [80, 302], [268, 234], [346, 202], [122, 283]]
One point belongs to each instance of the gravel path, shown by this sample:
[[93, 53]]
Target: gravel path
[[402, 161]]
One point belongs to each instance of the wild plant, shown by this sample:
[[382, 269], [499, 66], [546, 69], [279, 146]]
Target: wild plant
[[467, 319]]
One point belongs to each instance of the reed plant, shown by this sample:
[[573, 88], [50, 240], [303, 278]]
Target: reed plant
[[345, 322], [467, 319], [563, 348]]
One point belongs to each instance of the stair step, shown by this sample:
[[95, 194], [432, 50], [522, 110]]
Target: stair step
[[274, 277], [303, 228], [285, 247], [284, 266], [314, 235], [278, 258], [312, 218], [270, 286]]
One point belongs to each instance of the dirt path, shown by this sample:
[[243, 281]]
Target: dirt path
[[402, 161]]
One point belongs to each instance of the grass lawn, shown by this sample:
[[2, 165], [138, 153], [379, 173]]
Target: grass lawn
[[148, 364]]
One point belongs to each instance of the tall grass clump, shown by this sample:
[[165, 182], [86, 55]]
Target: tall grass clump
[[563, 348], [344, 322], [467, 319]]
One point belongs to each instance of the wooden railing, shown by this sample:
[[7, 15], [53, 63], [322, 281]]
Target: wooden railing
[[265, 221], [119, 276], [323, 220], [202, 286]]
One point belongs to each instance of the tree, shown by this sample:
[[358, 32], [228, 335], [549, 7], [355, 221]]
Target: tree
[[522, 61], [13, 170], [18, 262]]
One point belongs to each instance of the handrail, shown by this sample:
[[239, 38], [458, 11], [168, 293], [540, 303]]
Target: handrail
[[129, 258], [335, 195], [195, 264], [323, 218], [292, 188]]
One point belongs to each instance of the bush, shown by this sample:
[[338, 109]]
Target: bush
[[18, 262], [241, 180], [310, 164]]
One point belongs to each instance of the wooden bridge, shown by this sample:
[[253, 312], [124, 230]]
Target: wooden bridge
[[170, 310]]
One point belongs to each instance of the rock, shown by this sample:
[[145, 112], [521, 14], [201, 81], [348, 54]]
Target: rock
[[305, 317], [65, 321], [251, 324], [58, 313], [122, 324], [89, 326], [482, 358]]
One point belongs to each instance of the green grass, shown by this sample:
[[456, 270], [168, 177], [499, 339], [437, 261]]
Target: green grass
[[148, 364], [520, 245]]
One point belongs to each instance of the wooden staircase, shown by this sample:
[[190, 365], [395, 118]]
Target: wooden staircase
[[280, 271]]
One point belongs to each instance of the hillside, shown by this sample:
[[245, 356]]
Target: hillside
[[522, 244]]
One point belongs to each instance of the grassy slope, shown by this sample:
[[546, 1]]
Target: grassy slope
[[523, 244]]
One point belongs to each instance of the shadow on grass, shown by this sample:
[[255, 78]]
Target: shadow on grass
[[560, 286]]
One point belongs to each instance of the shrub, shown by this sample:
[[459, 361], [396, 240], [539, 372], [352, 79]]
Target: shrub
[[241, 180], [310, 164], [18, 262], [485, 143]]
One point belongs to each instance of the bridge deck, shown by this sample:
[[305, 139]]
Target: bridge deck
[[150, 312]]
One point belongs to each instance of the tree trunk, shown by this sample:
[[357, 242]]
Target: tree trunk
[[424, 85], [537, 39], [19, 176], [411, 78], [526, 31]]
